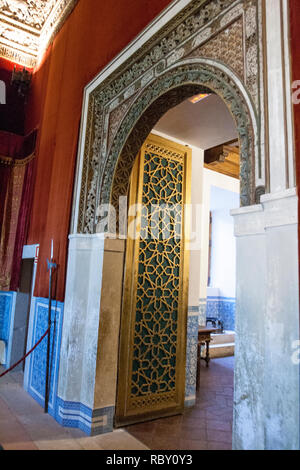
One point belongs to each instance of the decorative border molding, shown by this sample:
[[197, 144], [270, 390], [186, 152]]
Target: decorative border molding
[[276, 210], [18, 57], [193, 311], [114, 105], [77, 415]]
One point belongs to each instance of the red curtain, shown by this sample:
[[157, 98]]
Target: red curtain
[[16, 180]]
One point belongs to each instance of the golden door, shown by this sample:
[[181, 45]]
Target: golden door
[[152, 355]]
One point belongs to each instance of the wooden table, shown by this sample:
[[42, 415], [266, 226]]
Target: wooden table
[[204, 337]]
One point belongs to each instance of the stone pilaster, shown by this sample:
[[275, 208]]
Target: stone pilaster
[[89, 351]]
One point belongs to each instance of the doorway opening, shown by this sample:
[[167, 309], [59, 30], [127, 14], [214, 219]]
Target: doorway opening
[[204, 128], [22, 313]]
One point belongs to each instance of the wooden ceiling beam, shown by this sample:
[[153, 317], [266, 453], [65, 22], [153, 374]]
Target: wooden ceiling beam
[[224, 159]]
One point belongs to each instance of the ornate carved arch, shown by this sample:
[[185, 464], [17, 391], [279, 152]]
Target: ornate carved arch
[[211, 44], [167, 91]]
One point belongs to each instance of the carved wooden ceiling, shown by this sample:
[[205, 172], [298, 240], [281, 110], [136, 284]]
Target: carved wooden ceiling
[[28, 26]]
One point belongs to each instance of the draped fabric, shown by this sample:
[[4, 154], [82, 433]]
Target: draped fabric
[[16, 180]]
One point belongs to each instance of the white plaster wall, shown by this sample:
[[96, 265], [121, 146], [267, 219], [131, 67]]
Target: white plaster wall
[[196, 211], [248, 412], [195, 240], [266, 412], [211, 179], [223, 246], [202, 182]]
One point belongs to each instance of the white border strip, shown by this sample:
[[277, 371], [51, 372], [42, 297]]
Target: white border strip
[[288, 91]]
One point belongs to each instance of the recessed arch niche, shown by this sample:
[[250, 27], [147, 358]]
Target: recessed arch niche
[[169, 91]]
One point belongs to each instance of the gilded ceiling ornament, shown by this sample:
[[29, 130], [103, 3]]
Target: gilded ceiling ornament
[[33, 13], [28, 26]]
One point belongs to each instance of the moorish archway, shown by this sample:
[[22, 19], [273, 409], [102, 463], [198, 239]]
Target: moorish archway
[[170, 89], [167, 91], [211, 44], [227, 47]]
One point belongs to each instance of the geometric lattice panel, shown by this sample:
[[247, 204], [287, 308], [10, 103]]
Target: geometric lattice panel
[[158, 283], [156, 298]]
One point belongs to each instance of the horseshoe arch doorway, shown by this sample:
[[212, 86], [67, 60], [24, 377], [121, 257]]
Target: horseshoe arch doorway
[[151, 378], [193, 53]]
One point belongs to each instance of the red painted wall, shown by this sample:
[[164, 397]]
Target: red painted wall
[[93, 35]]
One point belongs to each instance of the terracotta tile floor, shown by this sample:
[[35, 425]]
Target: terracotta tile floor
[[24, 426], [207, 426]]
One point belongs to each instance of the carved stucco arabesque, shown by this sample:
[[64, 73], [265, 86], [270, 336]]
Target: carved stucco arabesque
[[210, 46], [28, 26]]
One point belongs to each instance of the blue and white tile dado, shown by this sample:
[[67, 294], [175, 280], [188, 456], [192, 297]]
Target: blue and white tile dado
[[191, 355], [73, 414], [68, 414], [35, 372], [7, 310], [77, 415], [222, 308]]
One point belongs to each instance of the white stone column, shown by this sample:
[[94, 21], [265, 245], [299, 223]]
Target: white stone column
[[281, 146], [248, 429], [89, 349], [281, 375], [266, 411]]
